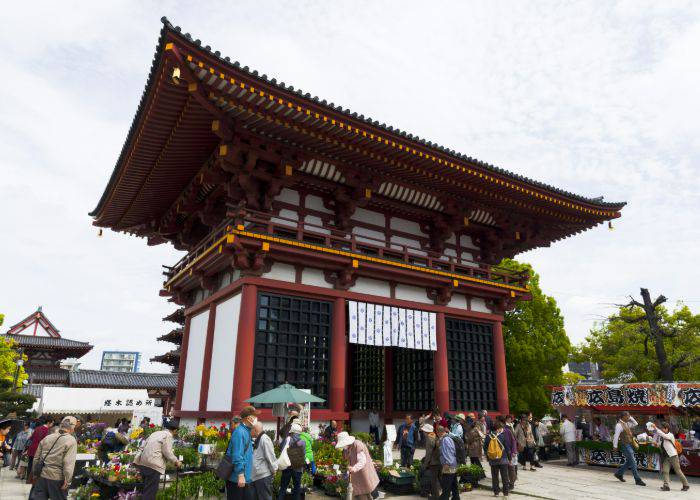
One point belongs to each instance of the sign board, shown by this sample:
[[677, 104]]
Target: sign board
[[391, 432], [305, 415], [155, 413]]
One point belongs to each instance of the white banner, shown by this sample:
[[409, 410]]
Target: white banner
[[388, 326]]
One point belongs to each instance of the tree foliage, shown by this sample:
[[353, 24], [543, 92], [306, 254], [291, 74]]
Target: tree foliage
[[536, 344], [11, 399], [620, 345]]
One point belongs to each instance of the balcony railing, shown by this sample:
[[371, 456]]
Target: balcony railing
[[306, 232]]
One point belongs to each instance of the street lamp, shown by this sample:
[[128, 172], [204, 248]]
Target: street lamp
[[20, 363]]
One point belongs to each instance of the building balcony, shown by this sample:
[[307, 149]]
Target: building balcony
[[252, 241]]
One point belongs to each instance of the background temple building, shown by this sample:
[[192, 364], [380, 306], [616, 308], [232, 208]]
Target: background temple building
[[322, 247], [50, 363], [174, 336]]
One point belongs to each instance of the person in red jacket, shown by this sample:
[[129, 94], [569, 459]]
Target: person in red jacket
[[39, 433]]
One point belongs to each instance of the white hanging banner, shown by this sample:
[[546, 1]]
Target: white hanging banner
[[389, 326]]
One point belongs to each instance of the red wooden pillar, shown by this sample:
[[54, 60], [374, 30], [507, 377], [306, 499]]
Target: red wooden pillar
[[499, 357], [440, 367], [338, 360], [206, 368], [183, 364], [245, 348]]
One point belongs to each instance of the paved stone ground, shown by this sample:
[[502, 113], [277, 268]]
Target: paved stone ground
[[12, 488], [554, 481]]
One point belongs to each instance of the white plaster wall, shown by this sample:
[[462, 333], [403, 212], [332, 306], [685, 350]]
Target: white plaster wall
[[375, 237], [479, 305], [289, 196], [282, 272], [316, 221], [452, 239], [458, 301], [316, 203], [372, 287], [414, 293], [314, 277], [466, 242], [40, 331], [369, 216], [414, 245], [195, 361], [223, 354], [407, 226], [450, 252], [359, 424]]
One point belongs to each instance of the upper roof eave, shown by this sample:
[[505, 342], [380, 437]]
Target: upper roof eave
[[170, 30]]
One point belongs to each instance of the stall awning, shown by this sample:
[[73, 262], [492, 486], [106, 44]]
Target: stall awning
[[387, 326], [83, 400]]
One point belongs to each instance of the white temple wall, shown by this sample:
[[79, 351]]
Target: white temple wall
[[282, 272], [479, 305], [197, 338], [371, 287], [223, 354], [412, 293], [314, 277]]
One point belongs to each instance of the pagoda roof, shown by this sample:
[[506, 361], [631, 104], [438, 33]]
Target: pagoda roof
[[177, 316], [73, 347], [174, 336], [103, 378], [171, 138], [171, 358], [37, 317]]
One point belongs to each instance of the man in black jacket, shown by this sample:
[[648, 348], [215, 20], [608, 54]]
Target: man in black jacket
[[536, 435]]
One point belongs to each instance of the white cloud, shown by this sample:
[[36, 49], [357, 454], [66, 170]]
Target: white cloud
[[599, 99]]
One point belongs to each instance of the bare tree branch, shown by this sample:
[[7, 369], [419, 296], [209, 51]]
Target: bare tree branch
[[659, 300], [682, 363]]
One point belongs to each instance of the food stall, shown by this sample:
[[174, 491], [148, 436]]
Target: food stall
[[676, 403]]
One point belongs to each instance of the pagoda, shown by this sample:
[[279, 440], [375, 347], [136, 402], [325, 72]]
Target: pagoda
[[324, 248], [37, 338]]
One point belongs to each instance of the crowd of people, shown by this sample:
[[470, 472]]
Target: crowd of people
[[452, 440]]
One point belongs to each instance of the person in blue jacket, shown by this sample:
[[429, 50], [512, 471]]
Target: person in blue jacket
[[406, 441], [240, 450]]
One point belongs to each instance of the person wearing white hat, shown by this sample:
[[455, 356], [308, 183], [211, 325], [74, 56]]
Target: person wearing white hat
[[363, 476], [295, 447], [431, 461]]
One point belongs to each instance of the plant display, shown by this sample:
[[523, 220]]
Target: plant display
[[336, 485], [206, 485], [606, 445], [325, 453]]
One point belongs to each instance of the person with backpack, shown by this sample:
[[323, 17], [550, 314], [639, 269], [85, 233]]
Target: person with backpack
[[448, 461], [295, 449], [54, 463], [666, 441], [431, 461], [498, 452], [240, 452], [264, 463], [309, 456]]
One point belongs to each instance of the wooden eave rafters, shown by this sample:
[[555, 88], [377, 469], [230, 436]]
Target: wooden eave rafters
[[174, 114]]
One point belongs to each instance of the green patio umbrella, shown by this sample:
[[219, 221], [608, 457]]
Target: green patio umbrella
[[285, 393]]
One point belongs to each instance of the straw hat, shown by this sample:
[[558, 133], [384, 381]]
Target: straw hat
[[344, 439], [427, 428], [460, 416]]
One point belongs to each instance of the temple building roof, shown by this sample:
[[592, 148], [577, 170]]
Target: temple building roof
[[102, 378], [196, 104]]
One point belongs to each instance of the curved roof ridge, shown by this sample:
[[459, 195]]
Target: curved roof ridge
[[368, 120]]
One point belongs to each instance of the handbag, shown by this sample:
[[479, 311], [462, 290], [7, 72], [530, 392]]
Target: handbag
[[225, 467], [283, 461]]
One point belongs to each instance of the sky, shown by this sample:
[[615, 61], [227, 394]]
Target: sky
[[596, 97]]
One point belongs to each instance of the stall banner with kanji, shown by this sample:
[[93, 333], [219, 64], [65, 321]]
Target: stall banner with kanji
[[641, 394], [612, 458], [116, 404]]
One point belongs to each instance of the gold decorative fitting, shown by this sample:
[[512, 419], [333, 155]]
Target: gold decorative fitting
[[176, 75], [265, 246], [355, 263]]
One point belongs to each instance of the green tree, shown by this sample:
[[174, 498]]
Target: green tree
[[536, 344], [626, 352], [11, 399]]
